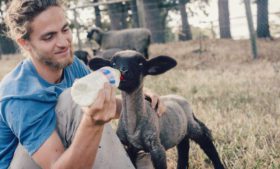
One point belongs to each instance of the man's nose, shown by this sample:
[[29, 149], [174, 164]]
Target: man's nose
[[62, 41]]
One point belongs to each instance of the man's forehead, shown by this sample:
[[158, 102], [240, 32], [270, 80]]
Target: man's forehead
[[50, 20]]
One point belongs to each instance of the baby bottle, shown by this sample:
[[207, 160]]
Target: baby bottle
[[84, 90]]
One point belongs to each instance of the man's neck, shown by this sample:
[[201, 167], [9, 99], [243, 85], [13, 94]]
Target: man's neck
[[49, 74]]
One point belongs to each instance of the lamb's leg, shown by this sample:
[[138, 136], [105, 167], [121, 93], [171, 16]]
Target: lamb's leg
[[204, 139], [146, 53], [144, 161], [183, 153], [132, 154], [156, 150], [158, 157]]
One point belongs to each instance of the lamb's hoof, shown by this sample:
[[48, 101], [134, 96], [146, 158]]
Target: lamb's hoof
[[144, 161]]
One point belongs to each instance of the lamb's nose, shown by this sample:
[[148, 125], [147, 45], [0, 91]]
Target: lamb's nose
[[123, 70]]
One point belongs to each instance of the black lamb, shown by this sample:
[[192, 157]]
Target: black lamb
[[140, 128]]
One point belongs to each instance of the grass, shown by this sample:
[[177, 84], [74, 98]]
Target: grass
[[7, 63], [236, 97]]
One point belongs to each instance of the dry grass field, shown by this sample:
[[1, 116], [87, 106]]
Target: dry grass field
[[236, 97]]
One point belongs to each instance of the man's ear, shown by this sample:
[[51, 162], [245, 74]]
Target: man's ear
[[97, 63], [24, 43], [159, 65]]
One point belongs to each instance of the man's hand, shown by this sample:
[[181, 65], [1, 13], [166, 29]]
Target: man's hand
[[82, 152], [155, 101], [104, 107]]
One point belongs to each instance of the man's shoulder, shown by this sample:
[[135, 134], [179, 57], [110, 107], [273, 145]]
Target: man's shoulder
[[21, 68], [78, 68], [18, 80], [12, 76]]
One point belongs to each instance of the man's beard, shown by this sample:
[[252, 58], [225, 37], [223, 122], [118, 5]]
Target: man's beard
[[55, 65]]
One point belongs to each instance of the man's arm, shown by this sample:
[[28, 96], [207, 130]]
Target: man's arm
[[82, 151]]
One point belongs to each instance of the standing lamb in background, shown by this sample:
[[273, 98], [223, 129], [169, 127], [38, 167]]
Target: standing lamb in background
[[138, 39], [82, 55], [140, 128], [105, 54]]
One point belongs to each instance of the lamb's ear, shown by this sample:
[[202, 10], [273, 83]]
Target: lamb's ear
[[97, 63], [159, 65], [89, 34]]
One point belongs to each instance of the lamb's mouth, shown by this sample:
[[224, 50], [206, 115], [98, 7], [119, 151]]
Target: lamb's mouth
[[126, 85], [126, 79]]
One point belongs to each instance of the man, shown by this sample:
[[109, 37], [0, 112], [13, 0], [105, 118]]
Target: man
[[29, 93]]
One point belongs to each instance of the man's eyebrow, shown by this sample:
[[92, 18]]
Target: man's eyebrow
[[48, 33], [54, 32], [65, 25]]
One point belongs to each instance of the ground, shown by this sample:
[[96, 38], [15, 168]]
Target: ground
[[237, 97]]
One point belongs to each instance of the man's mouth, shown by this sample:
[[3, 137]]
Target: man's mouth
[[62, 52]]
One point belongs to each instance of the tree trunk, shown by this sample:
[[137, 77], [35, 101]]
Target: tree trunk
[[134, 15], [97, 15], [186, 29], [224, 20], [251, 28], [7, 45], [262, 19], [0, 53], [118, 14], [153, 20]]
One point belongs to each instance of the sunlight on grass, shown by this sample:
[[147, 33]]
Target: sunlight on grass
[[237, 98]]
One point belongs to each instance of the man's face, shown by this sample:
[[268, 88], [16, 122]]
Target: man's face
[[50, 41]]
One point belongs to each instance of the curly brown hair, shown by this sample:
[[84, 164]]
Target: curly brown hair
[[20, 14]]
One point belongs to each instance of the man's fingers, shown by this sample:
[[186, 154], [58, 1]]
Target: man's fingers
[[161, 109], [108, 90], [104, 107], [113, 103], [155, 101], [99, 101]]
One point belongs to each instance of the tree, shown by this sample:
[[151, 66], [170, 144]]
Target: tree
[[262, 19], [150, 17], [118, 13], [97, 15], [224, 21], [251, 28], [186, 29], [186, 11], [7, 46], [134, 14]]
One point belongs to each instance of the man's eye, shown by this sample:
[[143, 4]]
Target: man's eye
[[48, 37], [66, 29]]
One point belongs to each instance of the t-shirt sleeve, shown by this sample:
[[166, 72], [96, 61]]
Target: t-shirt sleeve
[[32, 122], [8, 144]]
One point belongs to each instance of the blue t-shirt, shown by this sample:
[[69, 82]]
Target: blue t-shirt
[[27, 107]]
